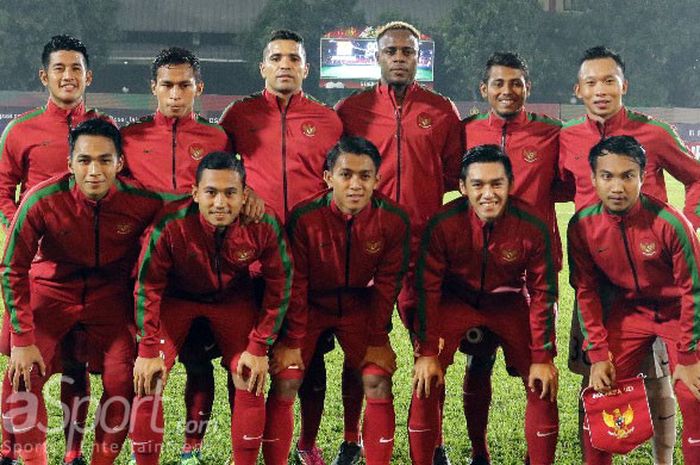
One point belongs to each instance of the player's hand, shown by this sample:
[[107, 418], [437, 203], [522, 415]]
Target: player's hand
[[284, 357], [147, 373], [258, 367], [690, 376], [548, 375], [382, 356], [424, 370], [253, 206], [22, 360], [602, 376]]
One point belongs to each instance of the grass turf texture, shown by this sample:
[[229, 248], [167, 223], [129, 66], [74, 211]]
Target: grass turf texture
[[506, 427]]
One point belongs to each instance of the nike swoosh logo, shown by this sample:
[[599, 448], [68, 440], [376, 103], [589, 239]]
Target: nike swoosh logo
[[203, 414], [690, 440], [270, 440], [668, 417], [544, 435], [133, 443], [664, 362], [411, 430], [210, 347], [384, 440], [251, 438]]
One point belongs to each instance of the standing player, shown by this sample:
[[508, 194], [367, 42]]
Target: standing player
[[194, 264], [79, 233], [351, 250], [648, 251], [284, 136], [601, 85], [33, 148], [531, 141], [485, 260], [419, 136]]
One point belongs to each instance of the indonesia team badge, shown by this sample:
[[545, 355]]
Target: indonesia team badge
[[243, 255], [424, 121], [308, 128], [648, 247], [196, 151], [530, 155], [618, 421], [373, 247]]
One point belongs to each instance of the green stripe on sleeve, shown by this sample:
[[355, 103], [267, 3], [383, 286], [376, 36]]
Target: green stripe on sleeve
[[287, 265]]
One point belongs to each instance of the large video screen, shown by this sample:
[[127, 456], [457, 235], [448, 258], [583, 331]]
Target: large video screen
[[349, 62]]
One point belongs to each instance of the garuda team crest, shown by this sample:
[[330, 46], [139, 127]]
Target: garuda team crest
[[124, 228], [648, 248], [530, 155], [196, 151], [424, 121], [243, 255], [308, 129], [619, 423], [509, 254], [372, 247]]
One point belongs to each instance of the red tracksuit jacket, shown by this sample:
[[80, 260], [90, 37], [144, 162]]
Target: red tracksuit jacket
[[461, 254], [33, 148], [184, 256], [421, 143], [163, 153], [652, 253], [532, 144], [665, 151], [86, 249], [342, 261], [284, 149]]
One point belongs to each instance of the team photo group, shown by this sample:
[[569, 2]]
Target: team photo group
[[291, 227]]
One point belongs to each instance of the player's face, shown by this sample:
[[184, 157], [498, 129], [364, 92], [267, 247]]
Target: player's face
[[601, 86], [353, 179], [175, 89], [95, 164], [66, 77], [487, 188], [220, 195], [617, 180], [284, 67], [506, 90], [398, 57]]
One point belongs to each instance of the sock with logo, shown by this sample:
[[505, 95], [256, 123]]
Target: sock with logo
[[662, 405], [423, 421], [279, 427], [247, 425], [690, 410], [476, 398], [441, 412], [199, 398], [147, 429], [378, 431], [75, 394], [353, 394], [541, 428]]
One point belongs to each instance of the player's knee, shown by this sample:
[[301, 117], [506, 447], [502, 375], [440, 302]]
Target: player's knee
[[376, 386], [285, 388]]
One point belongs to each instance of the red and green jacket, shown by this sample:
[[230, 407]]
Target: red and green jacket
[[33, 148], [462, 255], [79, 250], [186, 257], [421, 143], [649, 253], [664, 148], [163, 153], [345, 261], [283, 147]]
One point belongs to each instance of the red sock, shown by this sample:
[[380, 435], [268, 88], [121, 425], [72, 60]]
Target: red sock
[[378, 431], [75, 394], [7, 449], [312, 395], [35, 455], [147, 429], [279, 427], [441, 413], [353, 394], [541, 428], [27, 416], [423, 421], [690, 409], [476, 398], [199, 398], [247, 425]]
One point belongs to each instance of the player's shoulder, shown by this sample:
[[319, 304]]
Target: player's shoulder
[[359, 97], [543, 119], [92, 113], [215, 128], [587, 213], [173, 212], [475, 119], [243, 104], [435, 97], [313, 204], [387, 206], [526, 214], [449, 211], [573, 124], [49, 188], [651, 123], [658, 208], [139, 124], [25, 118]]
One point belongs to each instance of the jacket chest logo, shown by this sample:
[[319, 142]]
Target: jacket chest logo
[[243, 255], [509, 253], [424, 121], [196, 151], [648, 248], [374, 247], [530, 155], [308, 129], [124, 228], [619, 422]]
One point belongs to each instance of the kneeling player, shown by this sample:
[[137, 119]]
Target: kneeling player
[[351, 250], [480, 258], [648, 250], [194, 264]]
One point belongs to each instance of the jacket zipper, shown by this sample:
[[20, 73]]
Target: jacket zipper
[[503, 136], [284, 154], [218, 242], [397, 115], [486, 231], [96, 226], [174, 157], [348, 246], [629, 255]]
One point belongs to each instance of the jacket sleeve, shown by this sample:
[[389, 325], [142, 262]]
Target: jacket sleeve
[[297, 314], [583, 278], [277, 267], [20, 249], [10, 173], [542, 286], [430, 270], [154, 263], [685, 253], [452, 150], [388, 279]]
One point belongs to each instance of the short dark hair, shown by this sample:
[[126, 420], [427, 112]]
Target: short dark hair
[[176, 56], [618, 145], [285, 34], [398, 26], [509, 60], [601, 51], [63, 42], [96, 127], [356, 145], [486, 154], [221, 161]]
